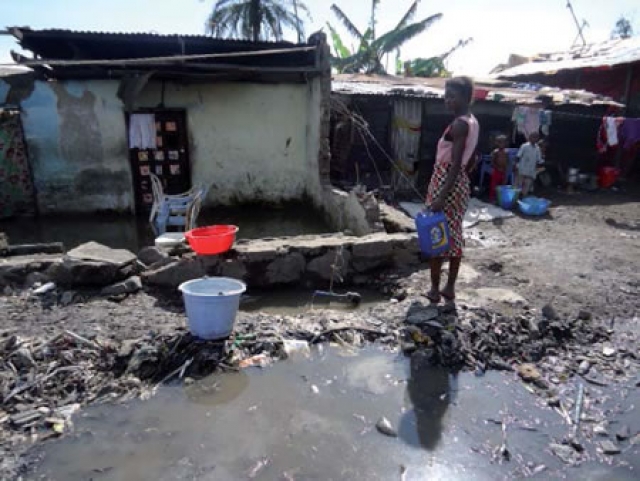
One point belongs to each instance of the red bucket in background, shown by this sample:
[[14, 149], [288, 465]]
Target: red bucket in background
[[607, 176], [212, 240]]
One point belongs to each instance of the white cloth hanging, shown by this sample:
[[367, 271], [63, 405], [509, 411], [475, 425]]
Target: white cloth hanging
[[142, 131], [612, 131]]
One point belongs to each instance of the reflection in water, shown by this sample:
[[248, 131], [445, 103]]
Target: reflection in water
[[218, 389], [430, 394], [294, 301], [123, 231]]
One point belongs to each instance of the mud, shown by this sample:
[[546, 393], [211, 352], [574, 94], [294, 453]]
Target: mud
[[583, 259]]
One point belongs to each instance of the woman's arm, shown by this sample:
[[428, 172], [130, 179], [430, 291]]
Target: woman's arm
[[459, 132]]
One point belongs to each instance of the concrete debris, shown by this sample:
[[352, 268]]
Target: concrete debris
[[623, 433], [600, 430], [584, 368], [566, 453], [93, 251], [129, 286], [384, 427], [151, 255], [609, 448]]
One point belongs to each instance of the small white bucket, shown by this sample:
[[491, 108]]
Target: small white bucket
[[212, 304], [169, 240]]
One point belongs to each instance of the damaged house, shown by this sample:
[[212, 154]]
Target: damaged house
[[406, 116], [100, 111]]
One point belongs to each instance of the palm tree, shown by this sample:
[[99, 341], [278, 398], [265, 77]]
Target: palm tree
[[256, 19], [372, 49]]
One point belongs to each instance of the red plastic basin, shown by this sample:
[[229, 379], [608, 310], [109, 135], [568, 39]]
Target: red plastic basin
[[211, 240], [607, 176]]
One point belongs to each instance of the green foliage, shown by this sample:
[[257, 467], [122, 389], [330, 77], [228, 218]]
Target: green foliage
[[623, 29], [433, 66], [256, 19], [372, 49]]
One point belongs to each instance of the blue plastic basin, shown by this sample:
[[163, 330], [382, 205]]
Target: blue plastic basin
[[534, 206], [507, 196]]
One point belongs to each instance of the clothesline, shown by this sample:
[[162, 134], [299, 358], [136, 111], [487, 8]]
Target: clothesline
[[584, 116]]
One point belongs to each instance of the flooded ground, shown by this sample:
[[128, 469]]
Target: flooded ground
[[315, 420], [300, 301], [133, 233]]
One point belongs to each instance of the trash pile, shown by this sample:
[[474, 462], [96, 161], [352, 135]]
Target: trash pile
[[479, 339], [43, 382]]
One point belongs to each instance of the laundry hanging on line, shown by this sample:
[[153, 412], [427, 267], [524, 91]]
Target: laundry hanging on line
[[630, 133], [529, 120], [142, 131], [617, 131]]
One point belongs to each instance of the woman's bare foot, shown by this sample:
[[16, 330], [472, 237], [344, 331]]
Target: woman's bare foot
[[434, 296], [448, 293]]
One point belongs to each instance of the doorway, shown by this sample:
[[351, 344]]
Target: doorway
[[158, 144]]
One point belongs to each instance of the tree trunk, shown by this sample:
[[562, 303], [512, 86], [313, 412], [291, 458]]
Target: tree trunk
[[255, 12]]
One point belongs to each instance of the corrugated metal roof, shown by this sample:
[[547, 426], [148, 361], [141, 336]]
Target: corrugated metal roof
[[490, 89], [57, 44], [57, 32], [11, 71], [597, 55], [357, 84]]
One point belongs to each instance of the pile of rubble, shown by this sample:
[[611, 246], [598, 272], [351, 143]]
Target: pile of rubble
[[43, 382], [480, 339]]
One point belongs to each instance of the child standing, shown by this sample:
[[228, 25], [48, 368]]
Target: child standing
[[529, 157], [499, 163]]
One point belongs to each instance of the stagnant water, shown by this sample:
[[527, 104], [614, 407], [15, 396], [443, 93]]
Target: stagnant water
[[298, 301], [133, 233], [313, 419]]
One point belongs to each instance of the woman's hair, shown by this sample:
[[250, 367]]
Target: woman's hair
[[462, 85]]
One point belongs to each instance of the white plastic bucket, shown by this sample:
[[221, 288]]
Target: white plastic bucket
[[169, 240], [212, 304]]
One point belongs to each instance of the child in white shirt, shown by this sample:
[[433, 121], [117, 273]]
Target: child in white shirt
[[529, 157]]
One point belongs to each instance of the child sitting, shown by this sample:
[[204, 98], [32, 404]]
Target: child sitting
[[529, 157], [500, 164]]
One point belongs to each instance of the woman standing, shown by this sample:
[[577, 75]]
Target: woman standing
[[449, 188]]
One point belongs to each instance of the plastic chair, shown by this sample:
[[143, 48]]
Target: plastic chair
[[179, 211]]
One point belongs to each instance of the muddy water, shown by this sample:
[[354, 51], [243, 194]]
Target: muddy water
[[299, 301], [133, 233], [314, 420]]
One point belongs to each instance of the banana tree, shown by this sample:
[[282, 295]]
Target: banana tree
[[430, 67], [372, 49]]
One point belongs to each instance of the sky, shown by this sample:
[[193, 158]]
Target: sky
[[498, 27]]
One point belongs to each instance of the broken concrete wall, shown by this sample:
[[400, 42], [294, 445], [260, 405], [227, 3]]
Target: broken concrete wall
[[75, 133], [252, 142], [311, 260]]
